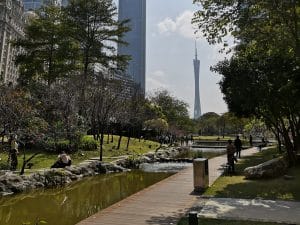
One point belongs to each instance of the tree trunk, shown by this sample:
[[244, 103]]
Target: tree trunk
[[128, 139], [101, 144], [112, 137], [25, 162], [119, 141], [107, 141], [289, 148], [279, 142]]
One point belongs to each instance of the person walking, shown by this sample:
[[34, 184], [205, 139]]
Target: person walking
[[238, 146], [250, 140], [13, 153], [230, 149]]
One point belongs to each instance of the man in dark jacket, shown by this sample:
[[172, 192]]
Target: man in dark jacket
[[238, 146]]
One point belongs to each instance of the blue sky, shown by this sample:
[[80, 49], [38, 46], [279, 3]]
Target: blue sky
[[170, 53]]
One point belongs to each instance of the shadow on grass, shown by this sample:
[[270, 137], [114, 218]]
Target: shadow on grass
[[184, 221], [163, 219], [236, 186]]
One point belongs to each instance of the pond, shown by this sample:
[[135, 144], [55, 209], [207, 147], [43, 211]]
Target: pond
[[71, 204]]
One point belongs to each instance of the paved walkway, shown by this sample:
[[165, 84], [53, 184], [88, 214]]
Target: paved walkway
[[252, 209], [215, 164], [162, 203]]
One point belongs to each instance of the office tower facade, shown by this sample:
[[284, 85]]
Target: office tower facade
[[11, 28], [135, 11], [197, 106], [31, 5]]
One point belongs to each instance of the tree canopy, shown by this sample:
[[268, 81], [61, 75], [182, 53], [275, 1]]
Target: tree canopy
[[262, 76]]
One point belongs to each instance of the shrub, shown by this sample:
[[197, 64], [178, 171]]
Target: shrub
[[4, 166], [51, 146], [88, 144], [62, 146]]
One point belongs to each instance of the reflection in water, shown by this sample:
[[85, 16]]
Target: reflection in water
[[69, 205], [210, 150], [163, 167]]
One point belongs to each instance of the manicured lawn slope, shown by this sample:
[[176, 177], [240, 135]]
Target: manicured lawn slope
[[238, 187], [46, 159]]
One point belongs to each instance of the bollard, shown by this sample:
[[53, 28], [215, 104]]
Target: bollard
[[201, 178], [193, 219]]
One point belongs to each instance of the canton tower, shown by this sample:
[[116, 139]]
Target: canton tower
[[197, 107]]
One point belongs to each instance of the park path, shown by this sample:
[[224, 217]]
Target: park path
[[162, 203], [287, 212]]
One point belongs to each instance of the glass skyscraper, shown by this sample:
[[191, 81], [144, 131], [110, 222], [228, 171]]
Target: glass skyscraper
[[36, 4], [135, 11]]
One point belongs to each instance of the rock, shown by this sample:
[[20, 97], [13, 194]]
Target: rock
[[287, 177], [270, 169], [150, 155], [2, 187]]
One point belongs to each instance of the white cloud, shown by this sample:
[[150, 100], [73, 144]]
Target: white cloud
[[156, 80], [166, 26], [180, 25]]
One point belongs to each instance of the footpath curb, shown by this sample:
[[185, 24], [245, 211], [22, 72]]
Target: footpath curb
[[287, 212]]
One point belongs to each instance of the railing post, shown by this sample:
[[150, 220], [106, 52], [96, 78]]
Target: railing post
[[193, 219]]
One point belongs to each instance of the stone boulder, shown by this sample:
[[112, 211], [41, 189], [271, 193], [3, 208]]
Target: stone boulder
[[270, 169]]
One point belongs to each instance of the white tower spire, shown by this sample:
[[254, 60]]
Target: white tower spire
[[197, 106]]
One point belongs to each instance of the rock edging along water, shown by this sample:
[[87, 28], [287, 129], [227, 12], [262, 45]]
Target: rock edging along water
[[12, 183], [162, 155]]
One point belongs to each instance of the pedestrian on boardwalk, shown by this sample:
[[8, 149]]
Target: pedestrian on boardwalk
[[250, 140], [238, 146], [230, 156]]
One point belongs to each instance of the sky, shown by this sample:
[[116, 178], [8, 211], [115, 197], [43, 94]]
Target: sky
[[170, 52]]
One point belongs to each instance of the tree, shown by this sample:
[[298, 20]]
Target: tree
[[134, 113], [94, 27], [159, 125], [174, 110], [105, 98], [262, 76], [207, 124], [20, 118], [272, 24], [47, 51], [270, 80]]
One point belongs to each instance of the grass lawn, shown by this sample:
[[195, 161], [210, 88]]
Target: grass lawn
[[238, 187], [184, 221], [46, 159]]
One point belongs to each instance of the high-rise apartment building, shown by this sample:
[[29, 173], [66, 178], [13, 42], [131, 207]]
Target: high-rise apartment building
[[135, 11], [197, 106], [11, 28]]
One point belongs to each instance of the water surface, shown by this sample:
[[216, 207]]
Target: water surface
[[71, 204]]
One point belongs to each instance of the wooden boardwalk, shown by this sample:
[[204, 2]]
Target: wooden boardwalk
[[162, 203]]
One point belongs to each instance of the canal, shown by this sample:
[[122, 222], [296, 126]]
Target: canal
[[71, 204]]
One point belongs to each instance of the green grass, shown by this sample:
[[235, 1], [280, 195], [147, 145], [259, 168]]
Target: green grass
[[46, 159], [238, 187], [202, 221]]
